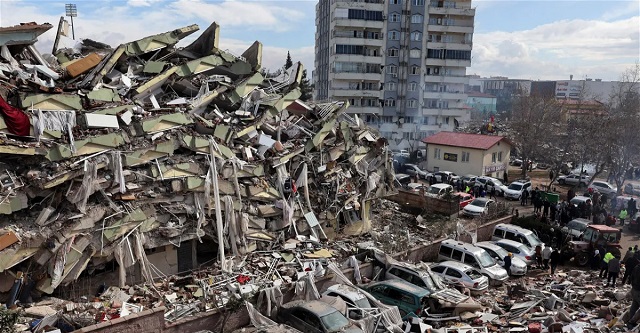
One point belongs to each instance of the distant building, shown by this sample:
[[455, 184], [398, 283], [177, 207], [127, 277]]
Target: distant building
[[464, 153], [482, 105], [573, 109]]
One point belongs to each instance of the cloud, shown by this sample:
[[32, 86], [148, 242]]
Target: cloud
[[581, 47], [627, 8], [142, 3]]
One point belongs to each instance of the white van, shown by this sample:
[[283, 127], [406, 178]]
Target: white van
[[473, 256], [518, 234], [439, 190]]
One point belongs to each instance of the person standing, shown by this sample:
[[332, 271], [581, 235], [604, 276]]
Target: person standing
[[546, 255], [493, 193], [507, 263], [554, 259], [629, 265], [628, 255], [604, 266], [634, 310], [614, 270], [523, 198], [545, 210], [622, 216], [596, 260], [539, 255]]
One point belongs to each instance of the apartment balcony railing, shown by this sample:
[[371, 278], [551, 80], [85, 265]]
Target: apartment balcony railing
[[362, 1]]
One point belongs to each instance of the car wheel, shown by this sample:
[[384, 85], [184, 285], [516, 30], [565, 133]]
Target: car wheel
[[561, 181]]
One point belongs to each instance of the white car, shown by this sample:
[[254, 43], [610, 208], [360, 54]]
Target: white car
[[491, 183], [439, 190], [518, 267], [519, 250], [456, 273], [604, 188], [574, 180], [515, 189], [477, 207]]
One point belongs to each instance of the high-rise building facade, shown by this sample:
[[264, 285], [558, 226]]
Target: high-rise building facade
[[401, 64]]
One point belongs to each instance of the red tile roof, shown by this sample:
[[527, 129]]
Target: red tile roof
[[465, 140]]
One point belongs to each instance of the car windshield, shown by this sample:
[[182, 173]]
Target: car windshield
[[485, 259], [472, 273], [479, 203], [501, 252], [434, 190], [334, 321], [363, 303], [497, 182], [516, 187], [533, 240], [577, 226]]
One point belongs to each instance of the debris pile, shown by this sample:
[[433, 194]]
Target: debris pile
[[108, 153]]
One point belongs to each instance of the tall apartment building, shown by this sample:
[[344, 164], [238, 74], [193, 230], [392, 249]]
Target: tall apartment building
[[401, 64]]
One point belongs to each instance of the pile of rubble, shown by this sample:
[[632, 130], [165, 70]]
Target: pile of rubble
[[107, 153]]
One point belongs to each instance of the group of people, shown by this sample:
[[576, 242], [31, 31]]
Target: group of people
[[477, 190]]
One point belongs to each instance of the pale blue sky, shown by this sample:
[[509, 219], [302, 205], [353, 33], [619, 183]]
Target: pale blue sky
[[520, 39]]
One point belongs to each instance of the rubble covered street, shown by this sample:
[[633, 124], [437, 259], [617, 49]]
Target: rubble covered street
[[148, 175]]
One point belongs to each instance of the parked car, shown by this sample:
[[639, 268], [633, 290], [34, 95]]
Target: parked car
[[416, 187], [421, 276], [439, 190], [473, 256], [523, 252], [414, 170], [455, 273], [491, 183], [575, 228], [402, 179], [574, 180], [516, 233], [315, 317], [543, 166], [604, 188], [354, 297], [464, 198], [515, 189], [409, 298], [578, 199], [622, 201], [469, 180], [632, 189], [516, 162], [518, 267], [478, 207], [443, 176]]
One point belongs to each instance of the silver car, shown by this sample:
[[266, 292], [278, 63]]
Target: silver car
[[454, 272], [518, 267], [518, 250]]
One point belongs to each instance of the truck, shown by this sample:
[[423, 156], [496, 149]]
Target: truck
[[594, 237]]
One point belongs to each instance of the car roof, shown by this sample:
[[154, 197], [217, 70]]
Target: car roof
[[470, 176], [580, 198], [512, 227], [581, 220], [454, 264], [441, 185], [409, 164], [463, 194], [466, 246], [402, 285], [521, 182], [483, 199], [489, 245], [317, 307], [510, 242], [347, 291]]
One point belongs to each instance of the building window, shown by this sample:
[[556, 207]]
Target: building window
[[436, 153], [413, 86], [394, 35], [416, 36], [370, 119], [418, 2], [391, 86], [389, 102], [386, 119], [415, 53], [493, 158], [416, 18], [465, 157], [392, 52], [415, 70], [394, 18], [412, 103], [394, 2], [392, 70], [408, 120], [500, 157]]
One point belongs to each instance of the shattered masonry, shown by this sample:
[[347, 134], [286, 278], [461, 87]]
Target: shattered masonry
[[106, 152]]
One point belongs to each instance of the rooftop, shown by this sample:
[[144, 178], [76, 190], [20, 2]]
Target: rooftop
[[465, 140]]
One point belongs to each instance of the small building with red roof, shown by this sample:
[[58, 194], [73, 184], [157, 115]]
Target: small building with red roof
[[465, 153]]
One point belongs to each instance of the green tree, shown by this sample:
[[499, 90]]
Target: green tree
[[288, 63], [306, 87]]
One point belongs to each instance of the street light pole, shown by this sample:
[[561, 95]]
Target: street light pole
[[72, 12]]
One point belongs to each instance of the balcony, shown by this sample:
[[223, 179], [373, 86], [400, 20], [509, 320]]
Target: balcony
[[445, 112], [355, 23], [359, 41], [452, 11], [360, 110], [355, 58], [369, 4], [445, 95], [446, 79], [355, 76], [465, 28], [339, 93], [448, 62], [459, 45]]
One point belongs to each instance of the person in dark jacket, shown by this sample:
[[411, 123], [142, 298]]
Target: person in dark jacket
[[596, 260], [614, 270], [554, 260], [634, 311], [507, 262], [629, 265], [546, 205]]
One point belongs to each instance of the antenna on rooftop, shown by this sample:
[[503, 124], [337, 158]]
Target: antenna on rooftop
[[71, 11]]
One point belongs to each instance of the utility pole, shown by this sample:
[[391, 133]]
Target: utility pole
[[55, 43], [72, 12]]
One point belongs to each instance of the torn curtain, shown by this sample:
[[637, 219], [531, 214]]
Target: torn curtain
[[18, 122]]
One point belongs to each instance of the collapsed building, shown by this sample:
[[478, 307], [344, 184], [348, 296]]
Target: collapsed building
[[136, 162]]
